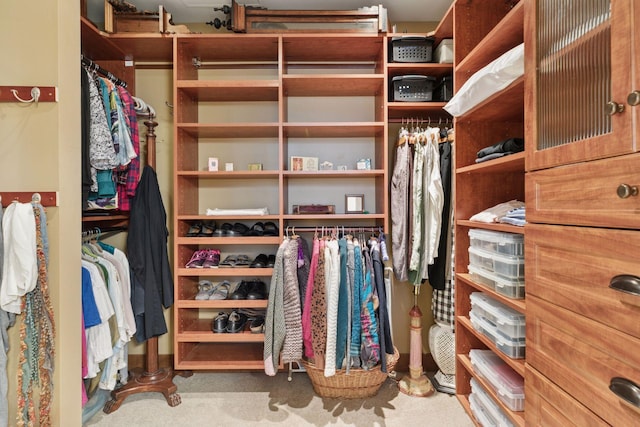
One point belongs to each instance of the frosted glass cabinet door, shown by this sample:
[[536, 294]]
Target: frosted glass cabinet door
[[582, 53]]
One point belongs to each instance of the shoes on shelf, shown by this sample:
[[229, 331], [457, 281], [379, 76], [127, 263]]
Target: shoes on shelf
[[270, 229], [224, 230], [236, 322], [242, 261], [237, 230], [229, 261], [221, 291], [205, 290], [197, 259], [256, 229], [241, 290], [260, 261], [207, 229], [257, 290], [220, 322], [271, 261], [256, 325], [194, 230], [212, 259]]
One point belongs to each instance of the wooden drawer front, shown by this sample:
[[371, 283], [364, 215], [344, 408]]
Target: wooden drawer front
[[548, 405], [582, 356], [573, 266], [585, 193]]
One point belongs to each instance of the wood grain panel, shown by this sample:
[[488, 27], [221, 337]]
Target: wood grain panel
[[582, 356], [585, 194], [560, 270]]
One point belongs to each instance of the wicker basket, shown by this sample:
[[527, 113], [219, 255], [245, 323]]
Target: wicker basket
[[359, 383]]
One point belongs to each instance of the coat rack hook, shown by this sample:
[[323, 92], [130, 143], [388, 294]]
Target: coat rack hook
[[35, 95]]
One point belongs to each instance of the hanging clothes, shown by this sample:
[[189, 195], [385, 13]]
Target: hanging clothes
[[417, 200], [292, 347], [274, 325], [7, 320], [151, 277]]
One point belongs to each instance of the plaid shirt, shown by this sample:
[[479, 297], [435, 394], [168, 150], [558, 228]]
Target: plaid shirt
[[128, 179]]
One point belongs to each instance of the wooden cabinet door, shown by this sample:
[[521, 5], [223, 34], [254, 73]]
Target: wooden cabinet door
[[582, 53]]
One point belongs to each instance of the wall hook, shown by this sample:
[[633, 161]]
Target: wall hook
[[35, 95]]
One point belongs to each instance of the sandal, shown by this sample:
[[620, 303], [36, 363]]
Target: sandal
[[197, 259], [242, 261], [229, 261], [221, 291], [205, 290]]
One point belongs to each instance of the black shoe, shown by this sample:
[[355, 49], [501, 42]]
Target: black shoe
[[257, 290], [271, 261], [220, 322], [260, 261], [236, 322], [240, 291]]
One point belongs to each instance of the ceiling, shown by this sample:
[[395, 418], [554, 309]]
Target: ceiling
[[186, 11]]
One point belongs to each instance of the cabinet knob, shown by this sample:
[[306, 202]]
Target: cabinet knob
[[626, 190], [634, 98], [626, 390], [612, 108]]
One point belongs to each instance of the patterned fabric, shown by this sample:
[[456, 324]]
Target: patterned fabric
[[356, 329], [442, 301], [37, 335], [370, 352], [319, 311], [344, 306], [292, 348], [128, 179], [306, 313]]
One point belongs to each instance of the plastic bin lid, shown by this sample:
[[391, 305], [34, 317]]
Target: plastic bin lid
[[496, 308], [413, 77], [501, 376]]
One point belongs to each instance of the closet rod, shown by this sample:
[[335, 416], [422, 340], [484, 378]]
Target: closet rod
[[334, 227], [98, 69], [47, 198]]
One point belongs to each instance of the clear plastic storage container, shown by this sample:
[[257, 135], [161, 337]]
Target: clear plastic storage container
[[504, 265], [513, 348], [507, 383], [497, 241], [490, 409], [512, 288], [508, 322]]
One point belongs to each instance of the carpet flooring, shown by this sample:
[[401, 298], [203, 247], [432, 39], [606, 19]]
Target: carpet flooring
[[254, 399]]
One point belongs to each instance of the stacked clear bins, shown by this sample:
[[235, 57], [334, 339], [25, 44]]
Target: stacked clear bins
[[496, 259], [504, 326], [500, 383]]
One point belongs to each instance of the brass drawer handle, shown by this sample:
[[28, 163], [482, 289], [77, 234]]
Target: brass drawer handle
[[626, 283], [626, 390], [613, 107], [626, 190]]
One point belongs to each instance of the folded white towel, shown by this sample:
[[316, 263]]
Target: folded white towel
[[248, 211]]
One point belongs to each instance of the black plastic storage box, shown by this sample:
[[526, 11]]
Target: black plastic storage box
[[413, 88], [411, 49]]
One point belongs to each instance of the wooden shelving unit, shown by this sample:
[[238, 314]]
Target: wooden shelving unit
[[268, 75], [483, 32]]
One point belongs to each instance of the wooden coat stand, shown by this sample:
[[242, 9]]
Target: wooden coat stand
[[152, 378]]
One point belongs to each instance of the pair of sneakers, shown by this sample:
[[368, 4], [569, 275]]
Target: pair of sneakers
[[231, 323], [204, 258]]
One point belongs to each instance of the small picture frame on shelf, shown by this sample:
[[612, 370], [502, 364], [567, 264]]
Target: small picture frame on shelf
[[353, 203], [228, 167], [213, 164], [363, 164], [310, 164], [296, 163], [255, 166]]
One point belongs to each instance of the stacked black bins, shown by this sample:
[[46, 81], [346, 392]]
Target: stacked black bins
[[414, 87]]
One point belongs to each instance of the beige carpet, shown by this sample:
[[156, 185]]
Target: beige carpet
[[254, 399]]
